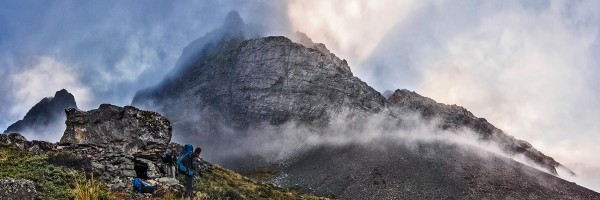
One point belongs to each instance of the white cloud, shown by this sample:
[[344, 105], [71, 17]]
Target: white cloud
[[43, 79], [352, 29]]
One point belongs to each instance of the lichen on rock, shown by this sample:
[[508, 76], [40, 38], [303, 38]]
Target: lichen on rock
[[17, 189]]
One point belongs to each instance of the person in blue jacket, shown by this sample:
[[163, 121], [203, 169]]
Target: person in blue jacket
[[186, 166]]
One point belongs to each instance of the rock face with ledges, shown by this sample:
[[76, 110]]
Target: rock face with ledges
[[119, 129], [271, 80]]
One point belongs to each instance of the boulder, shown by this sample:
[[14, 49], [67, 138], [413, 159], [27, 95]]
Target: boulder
[[37, 146], [13, 139], [167, 181], [119, 129], [21, 188], [20, 142]]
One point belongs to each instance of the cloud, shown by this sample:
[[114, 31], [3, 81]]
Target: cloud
[[42, 79], [530, 68], [351, 29]]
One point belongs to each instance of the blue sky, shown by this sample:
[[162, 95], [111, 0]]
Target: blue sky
[[531, 68]]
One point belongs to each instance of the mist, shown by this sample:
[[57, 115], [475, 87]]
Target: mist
[[268, 147]]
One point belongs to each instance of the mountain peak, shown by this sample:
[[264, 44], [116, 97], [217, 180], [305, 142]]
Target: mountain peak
[[270, 90], [50, 111], [233, 20], [62, 92], [254, 70]]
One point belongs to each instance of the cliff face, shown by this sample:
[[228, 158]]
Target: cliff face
[[271, 80], [49, 111], [238, 90]]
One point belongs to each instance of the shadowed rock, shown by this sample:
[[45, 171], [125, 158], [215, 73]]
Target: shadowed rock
[[18, 141], [265, 81], [119, 129], [47, 113]]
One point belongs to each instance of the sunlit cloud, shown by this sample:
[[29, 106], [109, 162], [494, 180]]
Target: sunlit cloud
[[42, 79], [531, 69], [352, 29]]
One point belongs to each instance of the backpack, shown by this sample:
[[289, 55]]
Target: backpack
[[184, 162], [142, 186]]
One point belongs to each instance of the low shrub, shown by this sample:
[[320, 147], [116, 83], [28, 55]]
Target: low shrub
[[53, 182]]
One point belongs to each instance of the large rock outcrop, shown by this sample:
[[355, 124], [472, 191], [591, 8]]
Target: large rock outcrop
[[119, 129], [49, 112], [266, 81], [118, 142]]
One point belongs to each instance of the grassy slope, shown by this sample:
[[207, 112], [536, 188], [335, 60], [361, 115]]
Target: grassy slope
[[51, 181], [56, 182], [225, 184]]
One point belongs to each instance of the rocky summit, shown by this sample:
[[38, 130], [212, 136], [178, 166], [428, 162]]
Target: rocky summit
[[241, 97], [266, 81], [46, 114], [119, 129]]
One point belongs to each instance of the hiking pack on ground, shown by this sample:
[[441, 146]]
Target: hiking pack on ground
[[143, 186], [185, 161]]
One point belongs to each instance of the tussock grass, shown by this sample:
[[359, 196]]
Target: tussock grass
[[52, 181], [225, 184], [90, 189]]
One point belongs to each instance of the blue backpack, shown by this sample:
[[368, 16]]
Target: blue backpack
[[137, 184], [184, 162], [142, 186]]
